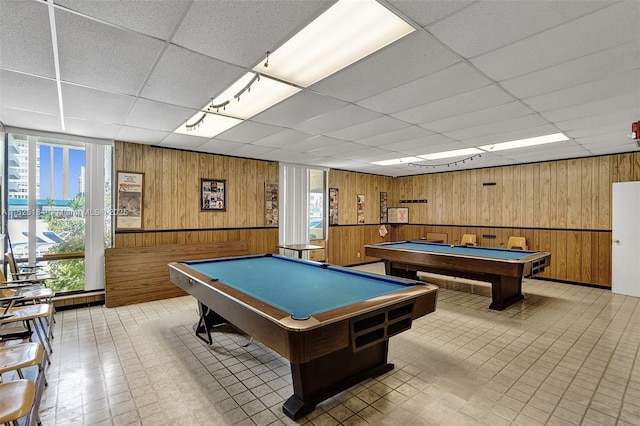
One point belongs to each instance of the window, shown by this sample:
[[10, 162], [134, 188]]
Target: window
[[57, 193], [317, 209]]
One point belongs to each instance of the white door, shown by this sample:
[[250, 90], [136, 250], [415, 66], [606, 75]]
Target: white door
[[625, 251]]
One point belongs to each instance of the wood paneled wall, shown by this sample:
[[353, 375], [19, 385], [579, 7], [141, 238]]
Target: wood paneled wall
[[172, 215], [569, 194], [350, 185], [563, 207], [172, 198], [172, 187]]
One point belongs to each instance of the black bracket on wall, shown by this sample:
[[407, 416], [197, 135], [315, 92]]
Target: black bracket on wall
[[412, 201], [488, 184]]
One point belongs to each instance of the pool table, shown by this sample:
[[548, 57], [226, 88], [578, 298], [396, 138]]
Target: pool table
[[332, 324], [503, 268]]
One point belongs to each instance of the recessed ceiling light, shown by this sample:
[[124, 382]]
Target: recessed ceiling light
[[347, 32], [263, 93], [520, 143], [449, 154], [213, 125], [404, 160]]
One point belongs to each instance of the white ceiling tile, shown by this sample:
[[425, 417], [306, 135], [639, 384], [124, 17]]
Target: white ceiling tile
[[432, 143], [516, 20], [249, 150], [89, 104], [339, 149], [157, 19], [590, 109], [600, 65], [180, 141], [288, 156], [619, 149], [91, 128], [609, 27], [478, 118], [454, 80], [425, 13], [388, 68], [249, 131], [102, 56], [145, 136], [217, 146], [577, 95], [337, 119], [373, 127], [514, 124], [189, 79], [22, 91], [367, 154], [623, 117], [404, 134], [581, 73], [314, 143], [615, 138], [595, 130], [511, 135], [30, 120], [241, 32], [156, 115], [282, 139], [22, 21], [300, 107], [473, 100]]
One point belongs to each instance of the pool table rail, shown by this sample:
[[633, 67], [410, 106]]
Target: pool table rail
[[297, 340]]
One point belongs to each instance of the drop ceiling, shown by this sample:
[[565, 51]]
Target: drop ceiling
[[472, 73]]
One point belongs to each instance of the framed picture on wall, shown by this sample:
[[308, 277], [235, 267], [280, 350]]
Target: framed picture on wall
[[213, 195], [129, 202], [361, 209], [398, 214], [270, 204], [383, 208], [334, 203]]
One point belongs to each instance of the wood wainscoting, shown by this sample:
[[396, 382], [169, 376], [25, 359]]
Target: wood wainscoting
[[140, 274]]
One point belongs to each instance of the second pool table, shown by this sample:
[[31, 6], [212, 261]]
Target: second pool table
[[333, 324], [503, 268]]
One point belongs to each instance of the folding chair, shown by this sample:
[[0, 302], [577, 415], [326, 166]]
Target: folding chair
[[517, 243], [33, 317], [468, 240]]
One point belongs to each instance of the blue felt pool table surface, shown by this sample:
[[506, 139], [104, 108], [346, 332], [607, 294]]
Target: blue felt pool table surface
[[300, 287], [489, 252]]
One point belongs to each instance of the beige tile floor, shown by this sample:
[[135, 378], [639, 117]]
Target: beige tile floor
[[566, 355]]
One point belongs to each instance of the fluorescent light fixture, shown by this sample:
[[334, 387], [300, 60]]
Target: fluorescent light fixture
[[345, 33], [520, 143], [448, 154], [404, 160], [260, 95], [211, 126]]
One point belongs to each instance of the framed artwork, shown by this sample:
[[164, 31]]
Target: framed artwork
[[398, 214], [270, 204], [333, 205], [360, 209], [213, 195], [383, 208], [129, 202]]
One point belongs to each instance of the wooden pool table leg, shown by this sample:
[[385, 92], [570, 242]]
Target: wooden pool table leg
[[321, 378], [505, 291]]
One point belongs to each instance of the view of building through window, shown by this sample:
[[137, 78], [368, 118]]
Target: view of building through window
[[316, 204], [46, 215]]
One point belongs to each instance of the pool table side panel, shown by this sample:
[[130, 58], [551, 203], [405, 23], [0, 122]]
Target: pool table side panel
[[446, 262]]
